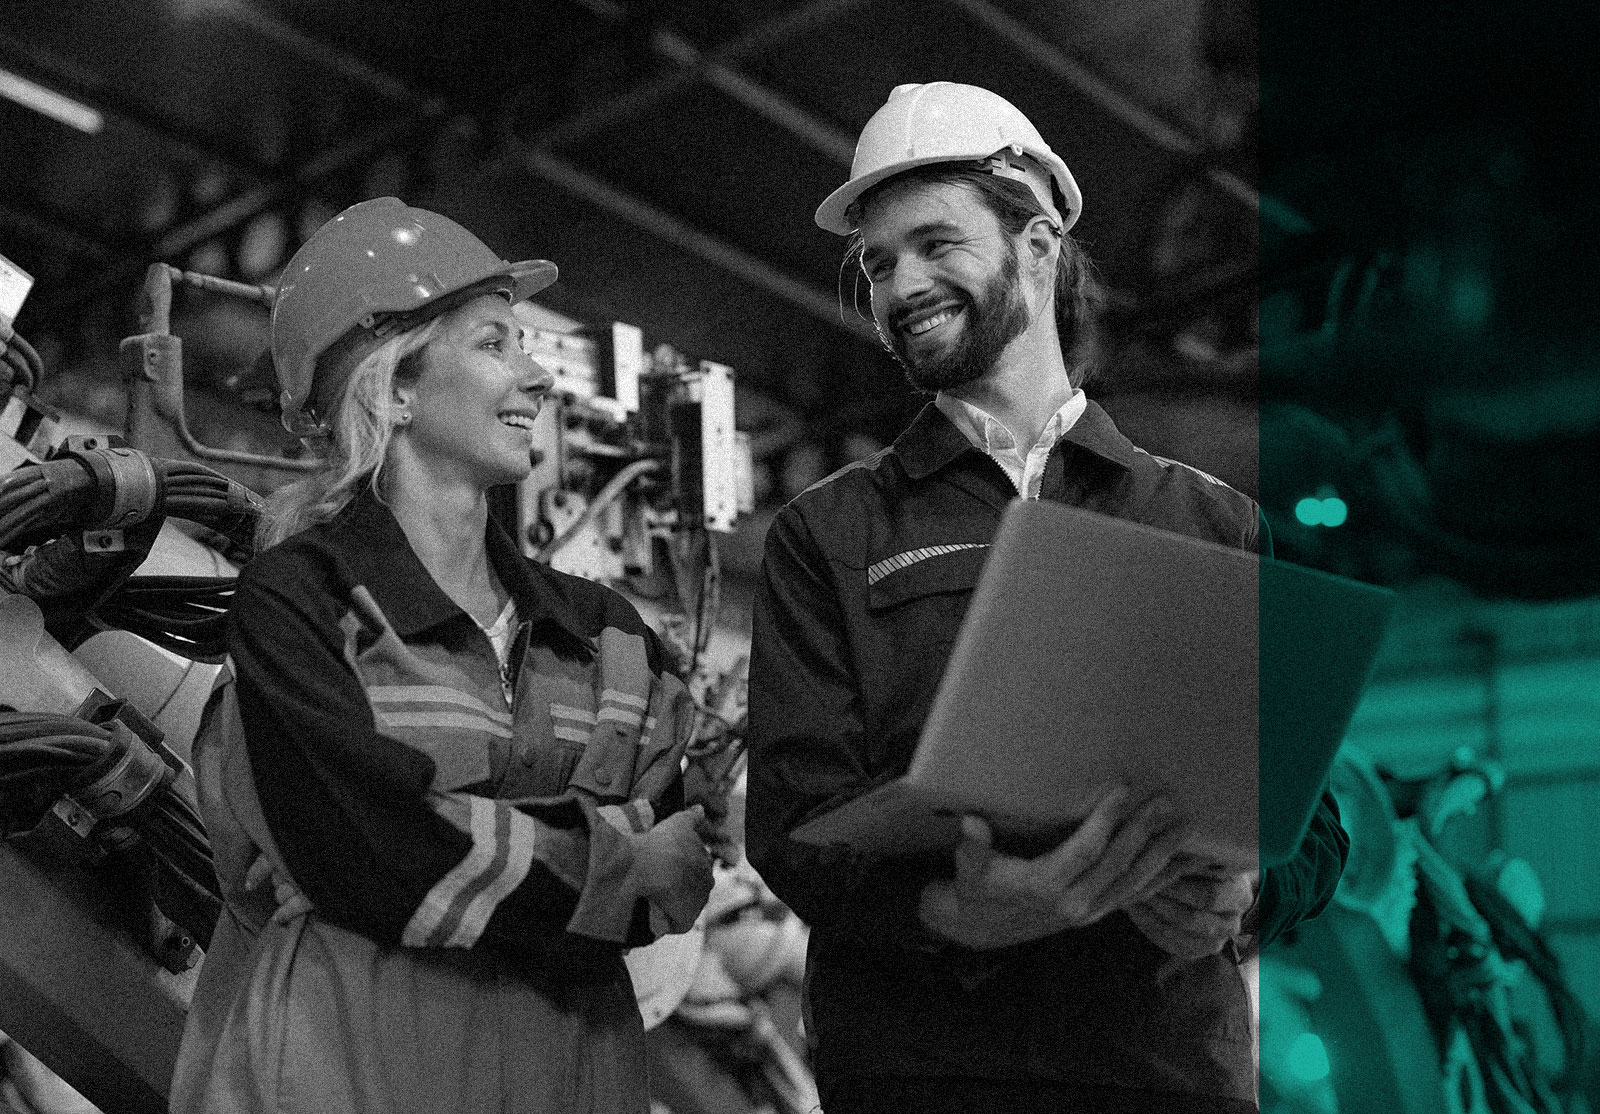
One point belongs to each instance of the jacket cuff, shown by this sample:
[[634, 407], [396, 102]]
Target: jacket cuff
[[606, 902]]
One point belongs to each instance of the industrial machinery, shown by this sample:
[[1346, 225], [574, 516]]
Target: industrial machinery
[[1427, 987], [118, 550]]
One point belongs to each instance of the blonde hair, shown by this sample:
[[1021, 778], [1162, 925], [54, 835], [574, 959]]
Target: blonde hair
[[357, 442]]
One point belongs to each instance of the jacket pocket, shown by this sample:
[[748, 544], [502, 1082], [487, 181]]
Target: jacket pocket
[[935, 570], [914, 613]]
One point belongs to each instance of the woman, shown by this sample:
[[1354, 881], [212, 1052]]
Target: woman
[[458, 769]]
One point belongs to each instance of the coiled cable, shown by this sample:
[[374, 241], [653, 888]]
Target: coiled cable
[[46, 759]]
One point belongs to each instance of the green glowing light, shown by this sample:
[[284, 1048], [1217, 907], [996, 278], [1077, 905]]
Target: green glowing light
[[1309, 511], [1471, 299], [1307, 1058], [1331, 511]]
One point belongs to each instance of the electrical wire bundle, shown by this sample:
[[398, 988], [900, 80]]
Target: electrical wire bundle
[[24, 505], [42, 757], [199, 494], [1465, 934], [19, 363], [692, 551], [614, 489], [96, 483], [97, 792], [90, 515], [1518, 940], [186, 615]]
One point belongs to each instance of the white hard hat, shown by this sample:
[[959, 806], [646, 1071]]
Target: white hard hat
[[943, 121]]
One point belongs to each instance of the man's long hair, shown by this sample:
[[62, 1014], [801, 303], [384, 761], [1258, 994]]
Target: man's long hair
[[1078, 294]]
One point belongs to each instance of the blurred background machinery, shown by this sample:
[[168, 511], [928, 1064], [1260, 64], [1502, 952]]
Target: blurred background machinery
[[1349, 255], [1427, 957], [117, 555]]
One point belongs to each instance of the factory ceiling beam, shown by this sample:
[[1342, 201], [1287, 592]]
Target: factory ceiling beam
[[237, 210], [717, 69], [714, 67], [54, 234], [174, 241], [1122, 107], [105, 101], [685, 237], [314, 50]]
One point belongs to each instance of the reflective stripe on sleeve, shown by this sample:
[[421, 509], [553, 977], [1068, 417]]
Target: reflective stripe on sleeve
[[456, 909]]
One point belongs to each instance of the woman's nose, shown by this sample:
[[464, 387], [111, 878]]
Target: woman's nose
[[536, 379]]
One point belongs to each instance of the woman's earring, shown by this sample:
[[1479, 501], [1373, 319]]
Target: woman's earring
[[405, 417]]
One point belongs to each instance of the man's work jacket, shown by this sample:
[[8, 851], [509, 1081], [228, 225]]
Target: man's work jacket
[[866, 580]]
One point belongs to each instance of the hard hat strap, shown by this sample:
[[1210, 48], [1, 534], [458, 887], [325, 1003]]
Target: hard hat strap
[[339, 360], [1011, 162], [385, 325]]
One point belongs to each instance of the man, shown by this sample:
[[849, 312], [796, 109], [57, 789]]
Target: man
[[1101, 975]]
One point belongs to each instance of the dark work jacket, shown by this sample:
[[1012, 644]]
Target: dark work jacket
[[403, 784], [856, 614]]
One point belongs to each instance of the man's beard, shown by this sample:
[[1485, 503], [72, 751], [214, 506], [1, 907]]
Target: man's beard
[[997, 318]]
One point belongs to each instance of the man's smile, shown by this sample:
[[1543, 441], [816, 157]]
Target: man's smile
[[920, 322]]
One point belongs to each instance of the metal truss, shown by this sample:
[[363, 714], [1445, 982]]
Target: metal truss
[[715, 68], [1117, 104], [718, 68]]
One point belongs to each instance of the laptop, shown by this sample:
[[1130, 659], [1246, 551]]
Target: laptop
[[1097, 650]]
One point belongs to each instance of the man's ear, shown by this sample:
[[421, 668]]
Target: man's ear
[[1041, 244]]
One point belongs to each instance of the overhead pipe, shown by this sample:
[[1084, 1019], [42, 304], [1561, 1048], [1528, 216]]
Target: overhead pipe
[[682, 235], [315, 50], [238, 210], [717, 69], [53, 232], [99, 98], [806, 126], [1122, 107], [152, 367]]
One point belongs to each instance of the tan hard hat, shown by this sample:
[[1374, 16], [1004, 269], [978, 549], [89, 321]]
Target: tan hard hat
[[379, 258]]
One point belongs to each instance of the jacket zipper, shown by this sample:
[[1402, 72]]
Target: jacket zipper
[[512, 665]]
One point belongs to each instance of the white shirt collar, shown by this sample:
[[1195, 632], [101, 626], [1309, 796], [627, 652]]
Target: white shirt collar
[[1025, 465]]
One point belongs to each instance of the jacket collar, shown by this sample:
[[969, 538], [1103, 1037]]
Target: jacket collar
[[369, 538], [932, 441]]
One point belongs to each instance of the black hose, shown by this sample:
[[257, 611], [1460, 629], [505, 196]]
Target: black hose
[[45, 756], [18, 488], [24, 525], [1517, 939], [15, 726], [20, 376], [30, 357]]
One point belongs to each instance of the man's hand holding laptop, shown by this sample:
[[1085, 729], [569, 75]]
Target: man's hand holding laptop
[[1127, 854]]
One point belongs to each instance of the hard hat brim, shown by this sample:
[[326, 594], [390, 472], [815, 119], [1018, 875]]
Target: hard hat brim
[[832, 216], [531, 276]]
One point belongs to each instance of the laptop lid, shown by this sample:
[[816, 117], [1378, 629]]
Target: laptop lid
[[1097, 649]]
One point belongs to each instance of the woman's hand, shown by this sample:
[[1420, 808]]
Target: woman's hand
[[290, 901], [673, 870], [720, 822]]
